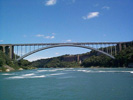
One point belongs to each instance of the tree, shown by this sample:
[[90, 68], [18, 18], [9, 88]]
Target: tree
[[2, 62], [23, 63]]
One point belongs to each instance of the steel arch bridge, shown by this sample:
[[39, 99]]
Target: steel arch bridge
[[20, 51]]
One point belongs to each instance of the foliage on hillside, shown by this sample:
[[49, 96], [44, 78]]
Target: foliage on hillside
[[55, 62], [94, 58], [122, 59], [101, 60], [5, 60], [125, 57]]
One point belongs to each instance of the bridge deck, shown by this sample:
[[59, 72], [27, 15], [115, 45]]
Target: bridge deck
[[75, 43]]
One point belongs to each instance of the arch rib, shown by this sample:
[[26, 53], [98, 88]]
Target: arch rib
[[61, 45]]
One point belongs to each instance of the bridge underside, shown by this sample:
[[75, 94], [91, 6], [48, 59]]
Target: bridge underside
[[62, 45]]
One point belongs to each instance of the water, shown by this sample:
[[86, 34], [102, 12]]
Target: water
[[67, 84]]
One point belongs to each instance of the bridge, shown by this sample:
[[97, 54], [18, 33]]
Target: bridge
[[20, 51]]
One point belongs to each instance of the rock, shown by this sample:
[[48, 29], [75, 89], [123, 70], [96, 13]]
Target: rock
[[7, 70], [0, 70], [20, 69]]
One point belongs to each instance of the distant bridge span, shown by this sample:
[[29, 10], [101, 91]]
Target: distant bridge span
[[20, 51], [61, 45]]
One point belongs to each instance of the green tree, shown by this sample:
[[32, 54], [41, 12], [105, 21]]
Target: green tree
[[23, 62], [125, 57], [2, 62]]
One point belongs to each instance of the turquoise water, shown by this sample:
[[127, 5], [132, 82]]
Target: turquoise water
[[67, 84]]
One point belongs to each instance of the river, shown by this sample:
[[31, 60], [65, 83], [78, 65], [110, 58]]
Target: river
[[67, 84]]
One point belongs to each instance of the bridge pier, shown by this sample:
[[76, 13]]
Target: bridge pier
[[4, 50], [124, 46], [78, 58], [115, 51], [120, 48], [11, 51], [8, 49]]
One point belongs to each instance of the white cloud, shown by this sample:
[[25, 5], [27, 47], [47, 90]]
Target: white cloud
[[52, 37], [50, 2], [69, 40], [39, 35], [46, 37], [49, 37], [106, 7], [1, 40], [91, 15]]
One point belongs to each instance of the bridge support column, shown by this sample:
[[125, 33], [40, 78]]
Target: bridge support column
[[120, 47], [4, 50], [111, 50], [77, 58], [124, 46], [115, 51], [11, 51]]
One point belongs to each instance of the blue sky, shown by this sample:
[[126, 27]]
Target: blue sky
[[51, 21]]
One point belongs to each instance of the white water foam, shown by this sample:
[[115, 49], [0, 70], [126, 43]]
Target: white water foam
[[56, 74], [52, 70], [22, 77], [131, 72], [33, 75], [42, 70], [8, 74], [87, 71], [116, 71], [41, 76], [100, 71], [29, 74], [15, 77]]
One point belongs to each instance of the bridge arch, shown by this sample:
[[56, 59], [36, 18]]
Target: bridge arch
[[62, 45]]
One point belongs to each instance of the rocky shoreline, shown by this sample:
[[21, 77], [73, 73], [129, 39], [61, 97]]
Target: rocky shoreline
[[9, 69]]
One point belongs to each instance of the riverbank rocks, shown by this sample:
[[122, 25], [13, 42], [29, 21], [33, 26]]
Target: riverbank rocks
[[8, 68], [20, 69]]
